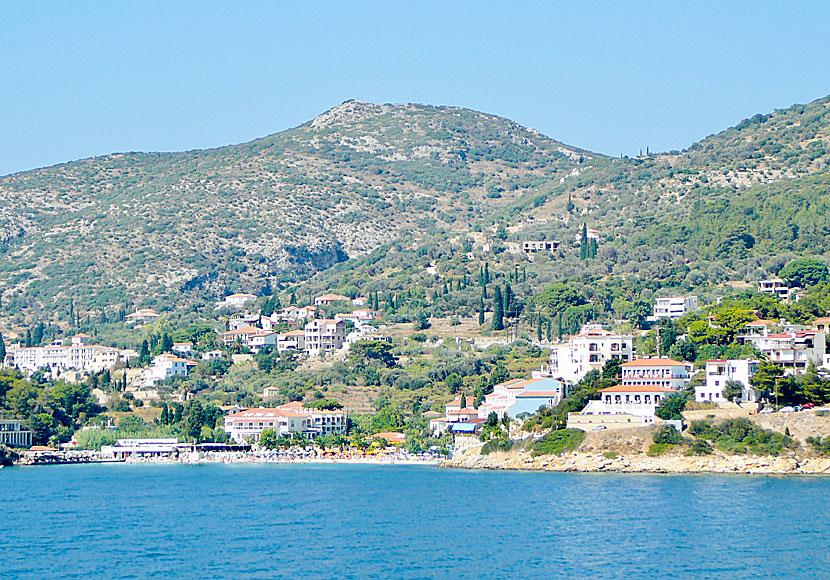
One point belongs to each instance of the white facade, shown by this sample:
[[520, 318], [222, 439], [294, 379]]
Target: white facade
[[589, 350], [291, 341], [774, 286], [235, 301], [794, 350], [14, 434], [720, 371], [141, 315], [164, 367], [327, 299], [247, 426], [621, 406], [675, 306], [183, 347], [324, 336], [664, 372], [58, 356]]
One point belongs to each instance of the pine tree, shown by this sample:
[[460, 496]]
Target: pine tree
[[498, 309]]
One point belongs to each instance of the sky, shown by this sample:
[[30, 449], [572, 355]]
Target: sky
[[79, 79]]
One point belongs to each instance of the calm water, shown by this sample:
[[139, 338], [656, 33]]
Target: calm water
[[289, 521]]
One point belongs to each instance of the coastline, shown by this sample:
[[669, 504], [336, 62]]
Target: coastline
[[716, 463]]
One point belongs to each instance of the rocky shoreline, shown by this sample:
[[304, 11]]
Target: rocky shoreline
[[717, 462]]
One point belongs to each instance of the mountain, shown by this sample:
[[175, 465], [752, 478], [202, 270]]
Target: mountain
[[171, 229], [165, 227]]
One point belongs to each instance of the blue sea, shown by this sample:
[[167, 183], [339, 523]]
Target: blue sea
[[341, 521]]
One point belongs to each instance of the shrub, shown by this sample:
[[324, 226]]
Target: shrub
[[699, 448], [497, 444], [558, 442], [610, 454], [658, 449], [668, 435]]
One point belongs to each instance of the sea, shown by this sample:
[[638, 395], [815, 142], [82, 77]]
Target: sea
[[245, 521]]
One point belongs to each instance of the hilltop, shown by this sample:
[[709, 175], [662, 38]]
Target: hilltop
[[380, 188], [173, 227]]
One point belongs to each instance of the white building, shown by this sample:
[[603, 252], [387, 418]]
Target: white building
[[794, 349], [774, 286], [289, 419], [58, 357], [620, 407], [356, 317], [164, 367], [242, 320], [675, 306], [291, 341], [718, 372], [238, 300], [324, 336], [589, 350], [327, 299], [212, 354], [14, 434], [664, 372], [533, 247], [183, 347]]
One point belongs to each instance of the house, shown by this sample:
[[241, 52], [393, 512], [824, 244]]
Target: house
[[243, 320], [13, 433], [821, 324], [263, 338], [324, 336], [522, 396], [105, 357], [329, 299], [240, 335], [212, 354], [533, 247], [620, 407], [142, 315], [294, 313], [164, 367], [675, 306], [360, 300], [589, 350], [792, 349], [656, 371], [291, 341], [286, 420], [718, 372], [356, 317], [238, 300], [183, 347], [775, 286], [591, 234]]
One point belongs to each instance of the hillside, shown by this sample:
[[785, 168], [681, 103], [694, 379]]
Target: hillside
[[168, 228], [407, 182]]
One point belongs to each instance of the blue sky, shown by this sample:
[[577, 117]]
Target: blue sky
[[79, 79]]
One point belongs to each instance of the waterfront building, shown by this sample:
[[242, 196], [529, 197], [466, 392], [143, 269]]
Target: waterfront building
[[621, 406], [13, 433], [285, 420]]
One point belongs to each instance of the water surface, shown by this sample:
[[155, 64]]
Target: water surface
[[357, 521]]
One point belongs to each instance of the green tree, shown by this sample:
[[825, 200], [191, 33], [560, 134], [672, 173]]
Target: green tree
[[584, 250], [671, 407], [481, 312], [2, 350], [364, 352], [268, 439], [453, 382], [499, 374], [733, 391], [422, 320], [804, 272], [766, 380], [498, 309]]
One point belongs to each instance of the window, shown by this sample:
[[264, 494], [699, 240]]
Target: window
[[592, 347], [593, 358]]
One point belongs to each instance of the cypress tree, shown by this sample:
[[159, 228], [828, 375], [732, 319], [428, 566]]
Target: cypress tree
[[2, 350], [509, 301], [481, 312], [524, 274], [463, 401], [592, 248], [498, 309], [548, 334], [583, 243], [486, 273], [539, 330], [165, 418]]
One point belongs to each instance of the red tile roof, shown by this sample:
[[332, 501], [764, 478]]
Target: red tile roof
[[637, 389], [653, 362]]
